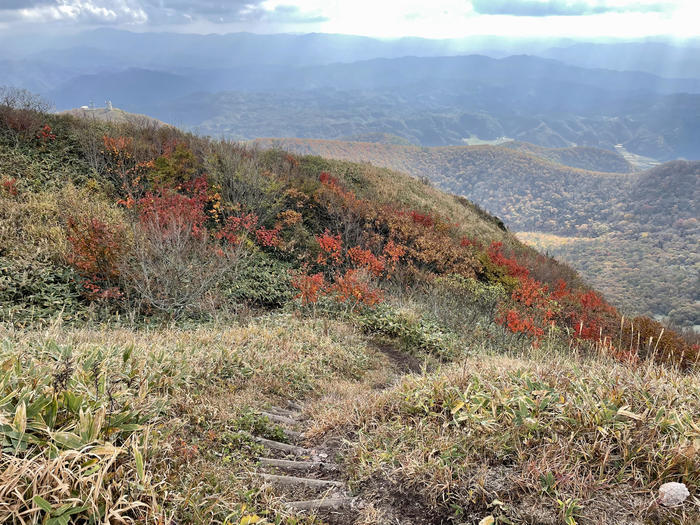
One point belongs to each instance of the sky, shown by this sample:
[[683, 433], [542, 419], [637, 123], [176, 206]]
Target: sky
[[376, 18]]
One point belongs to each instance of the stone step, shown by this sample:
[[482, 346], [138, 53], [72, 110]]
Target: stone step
[[293, 434], [282, 420], [295, 406], [293, 481], [333, 503], [293, 414], [288, 464], [283, 447]]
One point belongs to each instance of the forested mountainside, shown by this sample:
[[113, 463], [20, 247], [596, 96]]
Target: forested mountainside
[[185, 322], [642, 224], [585, 158]]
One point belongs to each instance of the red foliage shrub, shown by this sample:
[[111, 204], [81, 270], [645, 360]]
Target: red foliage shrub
[[169, 210], [45, 134], [331, 248], [353, 287], [467, 242], [514, 269], [123, 170], [9, 186], [423, 219], [430, 249], [588, 315], [97, 251], [310, 287], [328, 179], [516, 322], [393, 252], [366, 259], [268, 238], [235, 227]]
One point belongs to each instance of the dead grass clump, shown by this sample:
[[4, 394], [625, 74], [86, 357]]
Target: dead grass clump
[[586, 442], [97, 481]]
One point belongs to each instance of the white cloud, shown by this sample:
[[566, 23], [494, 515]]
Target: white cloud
[[379, 18], [86, 11], [458, 18]]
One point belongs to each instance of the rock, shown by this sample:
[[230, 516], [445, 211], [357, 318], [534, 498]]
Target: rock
[[673, 494]]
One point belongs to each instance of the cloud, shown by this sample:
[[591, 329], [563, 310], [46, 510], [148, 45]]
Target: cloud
[[153, 12], [224, 12], [73, 11], [563, 7], [291, 14]]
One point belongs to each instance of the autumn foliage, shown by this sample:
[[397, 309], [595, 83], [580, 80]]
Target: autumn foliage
[[97, 249], [343, 247]]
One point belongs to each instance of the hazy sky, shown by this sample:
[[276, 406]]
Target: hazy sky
[[380, 18]]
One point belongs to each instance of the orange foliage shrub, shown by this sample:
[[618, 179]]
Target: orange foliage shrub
[[122, 168], [354, 287], [361, 258], [310, 287]]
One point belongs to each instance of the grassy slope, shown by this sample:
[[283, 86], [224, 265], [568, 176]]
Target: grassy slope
[[190, 389], [531, 439], [115, 115], [533, 190]]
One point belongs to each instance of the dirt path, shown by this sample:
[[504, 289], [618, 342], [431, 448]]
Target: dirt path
[[309, 479]]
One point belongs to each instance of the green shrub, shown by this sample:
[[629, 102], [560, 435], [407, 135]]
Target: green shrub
[[460, 303], [413, 332], [493, 273], [260, 281], [33, 291]]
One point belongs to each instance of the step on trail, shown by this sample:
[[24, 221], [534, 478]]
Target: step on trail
[[306, 479]]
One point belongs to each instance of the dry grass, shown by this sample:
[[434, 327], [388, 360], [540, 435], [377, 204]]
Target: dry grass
[[187, 394], [528, 440], [32, 225]]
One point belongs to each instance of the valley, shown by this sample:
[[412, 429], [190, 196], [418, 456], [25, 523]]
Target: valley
[[637, 232]]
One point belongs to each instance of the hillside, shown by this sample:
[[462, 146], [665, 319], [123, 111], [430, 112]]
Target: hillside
[[194, 331], [592, 159], [114, 115], [636, 221]]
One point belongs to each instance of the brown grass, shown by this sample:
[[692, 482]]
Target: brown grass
[[550, 438]]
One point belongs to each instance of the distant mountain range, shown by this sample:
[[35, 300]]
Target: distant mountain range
[[425, 92], [429, 101]]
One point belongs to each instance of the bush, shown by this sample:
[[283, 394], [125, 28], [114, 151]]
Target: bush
[[412, 332], [459, 303], [174, 265], [30, 291], [260, 281], [241, 177], [22, 115], [650, 339], [98, 249]]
